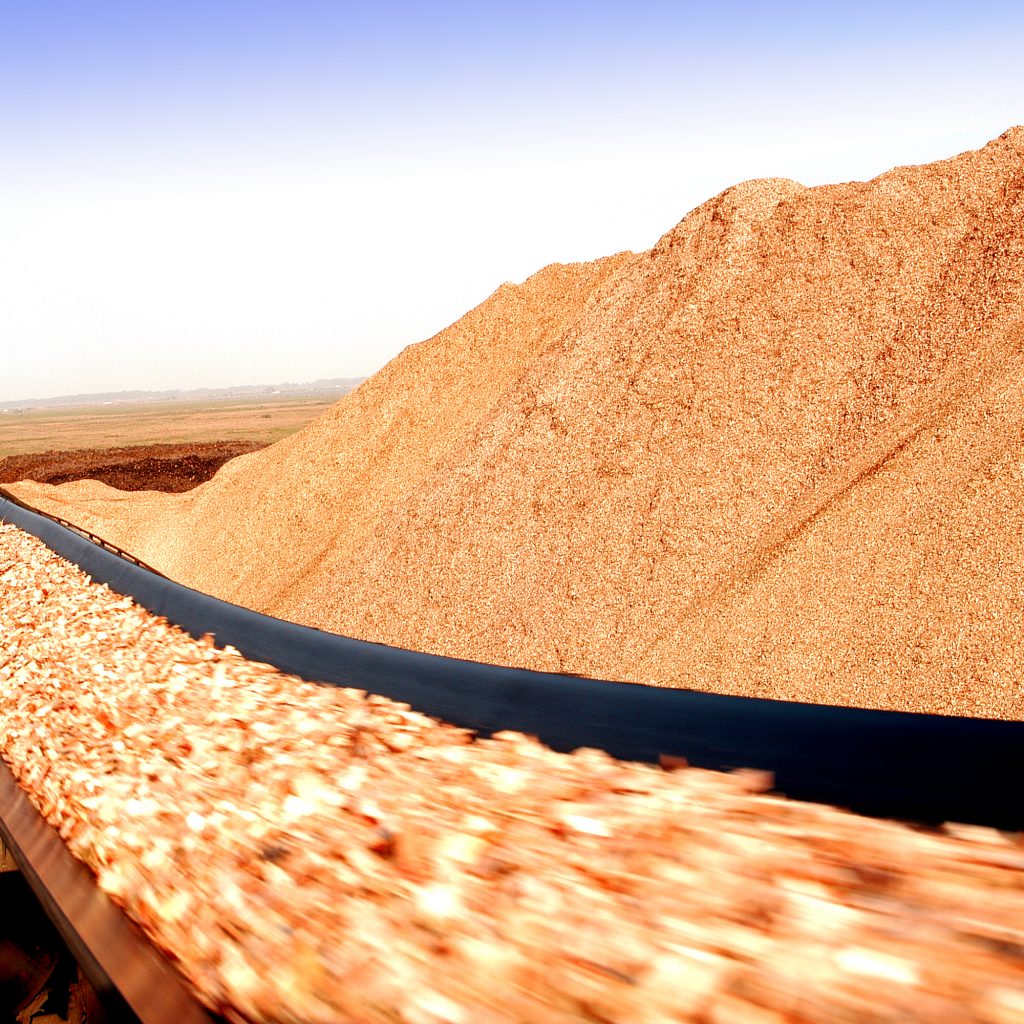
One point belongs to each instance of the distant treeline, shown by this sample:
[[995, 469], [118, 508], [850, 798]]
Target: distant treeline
[[316, 387]]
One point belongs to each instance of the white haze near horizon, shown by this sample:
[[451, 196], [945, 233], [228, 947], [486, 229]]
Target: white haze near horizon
[[226, 241], [319, 271]]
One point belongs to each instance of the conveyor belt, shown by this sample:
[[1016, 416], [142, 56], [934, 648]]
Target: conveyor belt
[[6, 495], [928, 768]]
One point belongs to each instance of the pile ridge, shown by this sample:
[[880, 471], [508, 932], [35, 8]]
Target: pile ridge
[[777, 454]]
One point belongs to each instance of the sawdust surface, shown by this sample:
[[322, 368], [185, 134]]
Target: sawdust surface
[[779, 454]]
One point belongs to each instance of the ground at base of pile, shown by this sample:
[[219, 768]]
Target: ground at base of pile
[[40, 982]]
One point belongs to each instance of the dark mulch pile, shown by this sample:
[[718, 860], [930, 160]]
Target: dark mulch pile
[[153, 467]]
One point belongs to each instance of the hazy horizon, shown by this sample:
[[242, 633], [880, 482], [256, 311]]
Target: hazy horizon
[[190, 196], [8, 402]]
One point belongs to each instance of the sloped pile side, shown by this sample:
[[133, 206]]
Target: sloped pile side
[[778, 454], [785, 461], [261, 529]]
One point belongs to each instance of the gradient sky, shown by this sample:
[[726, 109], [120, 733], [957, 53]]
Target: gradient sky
[[212, 193]]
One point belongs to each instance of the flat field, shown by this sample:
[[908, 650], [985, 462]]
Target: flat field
[[262, 421]]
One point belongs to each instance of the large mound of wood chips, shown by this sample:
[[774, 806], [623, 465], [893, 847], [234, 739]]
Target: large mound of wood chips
[[310, 854], [778, 454]]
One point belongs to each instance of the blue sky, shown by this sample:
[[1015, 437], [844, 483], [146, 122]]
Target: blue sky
[[212, 193]]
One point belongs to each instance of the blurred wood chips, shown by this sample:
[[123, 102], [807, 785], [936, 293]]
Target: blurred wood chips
[[309, 854]]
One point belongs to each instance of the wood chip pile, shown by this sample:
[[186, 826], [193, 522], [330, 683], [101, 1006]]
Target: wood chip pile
[[778, 455], [310, 854]]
